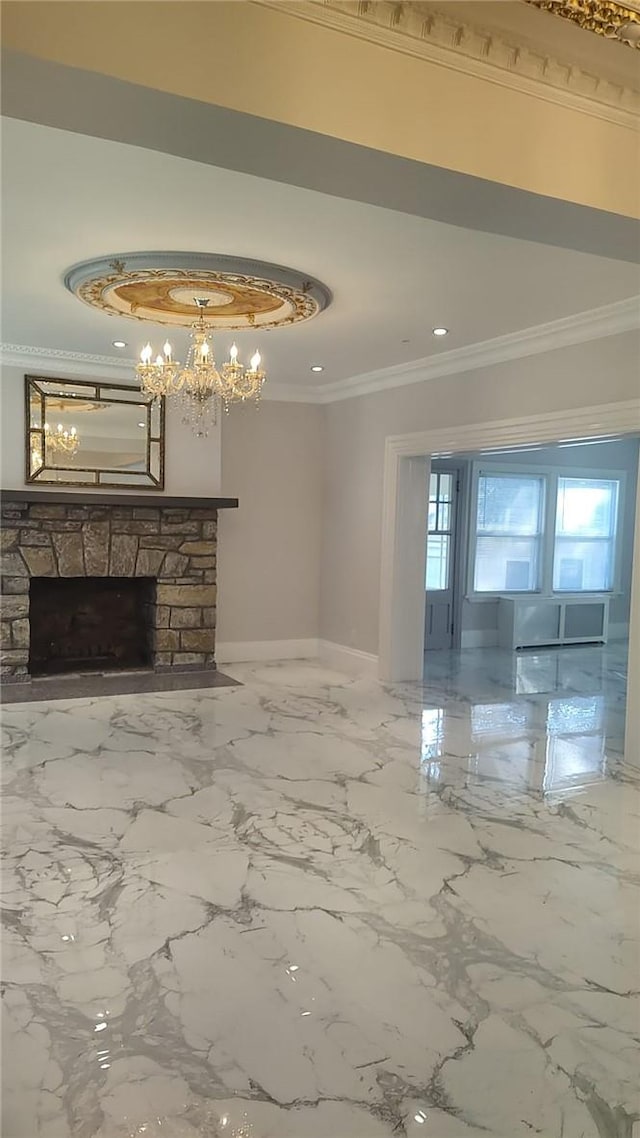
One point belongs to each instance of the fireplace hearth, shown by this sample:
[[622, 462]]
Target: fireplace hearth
[[90, 624]]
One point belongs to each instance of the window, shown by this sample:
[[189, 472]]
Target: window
[[439, 531], [543, 532], [584, 550], [509, 523]]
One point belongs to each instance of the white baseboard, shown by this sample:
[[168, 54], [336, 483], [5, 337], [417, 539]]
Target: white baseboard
[[337, 656], [480, 638], [488, 638], [241, 651], [350, 660]]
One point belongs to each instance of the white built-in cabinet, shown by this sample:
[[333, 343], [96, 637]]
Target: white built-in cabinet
[[526, 621]]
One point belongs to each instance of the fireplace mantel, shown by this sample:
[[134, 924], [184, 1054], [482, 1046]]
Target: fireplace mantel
[[88, 498]]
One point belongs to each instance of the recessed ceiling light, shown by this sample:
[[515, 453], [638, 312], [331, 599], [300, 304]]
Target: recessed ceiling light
[[119, 343], [440, 331], [317, 367], [141, 424]]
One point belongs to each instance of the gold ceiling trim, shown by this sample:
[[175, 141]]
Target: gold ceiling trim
[[436, 36], [599, 16], [141, 296], [171, 288]]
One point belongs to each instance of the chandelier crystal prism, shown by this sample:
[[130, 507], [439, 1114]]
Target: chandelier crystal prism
[[199, 383]]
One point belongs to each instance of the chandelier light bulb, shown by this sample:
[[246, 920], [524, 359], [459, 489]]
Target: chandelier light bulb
[[159, 361], [234, 352], [167, 349], [146, 354], [61, 439], [255, 361]]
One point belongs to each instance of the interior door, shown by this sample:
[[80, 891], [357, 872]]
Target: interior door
[[440, 577]]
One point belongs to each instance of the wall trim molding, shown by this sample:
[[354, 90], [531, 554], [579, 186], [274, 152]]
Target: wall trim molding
[[345, 659], [576, 424], [503, 59], [338, 656], [594, 324], [488, 637], [250, 651], [78, 363]]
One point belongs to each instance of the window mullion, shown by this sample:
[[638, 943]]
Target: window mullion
[[548, 536]]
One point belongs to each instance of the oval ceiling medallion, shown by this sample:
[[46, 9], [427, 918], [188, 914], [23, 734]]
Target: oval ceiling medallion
[[162, 288]]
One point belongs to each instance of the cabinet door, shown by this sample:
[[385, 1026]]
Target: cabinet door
[[537, 623], [584, 621]]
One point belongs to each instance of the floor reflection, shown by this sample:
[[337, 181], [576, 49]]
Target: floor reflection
[[544, 722]]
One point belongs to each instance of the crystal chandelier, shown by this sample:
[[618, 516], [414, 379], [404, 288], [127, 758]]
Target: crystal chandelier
[[199, 383], [62, 441]]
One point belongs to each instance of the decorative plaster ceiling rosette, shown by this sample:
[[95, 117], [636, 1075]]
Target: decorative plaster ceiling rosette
[[161, 288]]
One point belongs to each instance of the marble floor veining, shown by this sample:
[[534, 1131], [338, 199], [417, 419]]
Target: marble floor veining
[[313, 906]]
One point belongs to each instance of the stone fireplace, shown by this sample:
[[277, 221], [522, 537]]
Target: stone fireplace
[[107, 582]]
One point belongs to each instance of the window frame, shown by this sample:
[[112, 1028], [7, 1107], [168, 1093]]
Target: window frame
[[613, 539], [549, 476], [450, 531]]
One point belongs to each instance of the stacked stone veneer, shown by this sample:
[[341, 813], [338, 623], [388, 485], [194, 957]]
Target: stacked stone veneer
[[176, 546]]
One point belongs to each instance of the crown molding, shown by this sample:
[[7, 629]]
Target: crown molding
[[595, 324], [74, 363], [88, 366], [438, 38]]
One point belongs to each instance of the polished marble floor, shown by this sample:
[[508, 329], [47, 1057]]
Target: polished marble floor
[[315, 907]]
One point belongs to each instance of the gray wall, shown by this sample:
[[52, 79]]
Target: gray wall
[[482, 616], [269, 550]]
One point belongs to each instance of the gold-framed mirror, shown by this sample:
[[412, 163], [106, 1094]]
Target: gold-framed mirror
[[84, 433]]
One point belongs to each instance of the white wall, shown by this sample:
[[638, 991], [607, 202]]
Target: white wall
[[482, 616], [192, 465], [602, 371], [269, 550]]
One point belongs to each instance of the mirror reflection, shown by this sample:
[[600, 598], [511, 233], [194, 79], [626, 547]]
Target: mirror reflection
[[100, 434]]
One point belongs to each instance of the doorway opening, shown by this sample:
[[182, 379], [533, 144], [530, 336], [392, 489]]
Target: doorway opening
[[405, 515]]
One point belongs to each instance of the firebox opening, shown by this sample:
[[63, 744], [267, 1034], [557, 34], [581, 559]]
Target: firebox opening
[[90, 623]]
